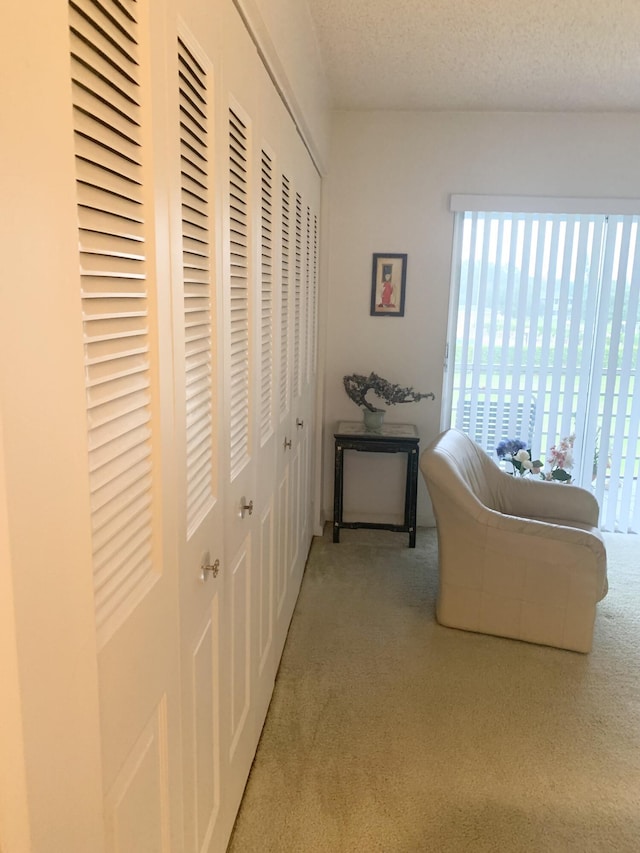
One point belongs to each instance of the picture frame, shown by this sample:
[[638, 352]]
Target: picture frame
[[388, 284]]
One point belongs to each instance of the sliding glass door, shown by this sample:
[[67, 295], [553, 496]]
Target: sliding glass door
[[544, 344]]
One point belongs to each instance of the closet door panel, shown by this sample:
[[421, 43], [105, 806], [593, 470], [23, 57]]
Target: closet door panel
[[239, 168], [125, 313], [205, 572]]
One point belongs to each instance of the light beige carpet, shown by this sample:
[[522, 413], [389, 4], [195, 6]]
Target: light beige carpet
[[388, 732]]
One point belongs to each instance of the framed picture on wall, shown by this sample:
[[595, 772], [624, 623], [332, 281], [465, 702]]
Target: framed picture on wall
[[388, 285]]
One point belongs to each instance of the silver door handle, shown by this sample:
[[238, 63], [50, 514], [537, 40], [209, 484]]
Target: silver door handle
[[245, 507], [287, 444], [299, 423], [208, 570]]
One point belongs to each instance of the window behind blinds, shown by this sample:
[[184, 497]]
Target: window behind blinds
[[547, 341]]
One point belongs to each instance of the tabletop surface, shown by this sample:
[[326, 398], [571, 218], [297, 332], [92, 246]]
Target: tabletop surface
[[351, 429]]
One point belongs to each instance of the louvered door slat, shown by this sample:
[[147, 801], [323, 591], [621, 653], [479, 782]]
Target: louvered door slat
[[104, 137], [196, 157], [113, 204], [266, 318], [198, 406], [239, 341], [195, 248], [297, 297], [114, 17], [284, 299], [104, 434], [239, 286], [102, 75], [106, 98], [104, 348], [193, 93], [110, 503], [198, 456], [131, 467], [111, 527], [105, 369], [194, 226], [112, 402], [103, 156], [193, 121], [116, 330], [126, 540], [109, 451], [129, 575], [98, 243], [195, 331], [314, 298], [98, 25], [115, 118], [197, 428], [110, 225], [125, 185], [306, 338]]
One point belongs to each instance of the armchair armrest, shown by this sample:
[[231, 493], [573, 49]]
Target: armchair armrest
[[556, 544], [537, 499]]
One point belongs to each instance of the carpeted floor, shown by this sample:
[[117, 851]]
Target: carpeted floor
[[388, 732]]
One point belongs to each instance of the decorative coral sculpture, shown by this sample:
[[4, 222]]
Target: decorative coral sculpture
[[358, 386]]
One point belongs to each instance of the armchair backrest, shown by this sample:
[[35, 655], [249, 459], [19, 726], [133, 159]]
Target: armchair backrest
[[457, 465]]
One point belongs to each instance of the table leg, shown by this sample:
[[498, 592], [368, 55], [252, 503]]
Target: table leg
[[337, 492], [412, 495]]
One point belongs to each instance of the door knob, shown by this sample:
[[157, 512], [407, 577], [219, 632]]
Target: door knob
[[299, 423], [287, 444], [208, 569], [245, 507]]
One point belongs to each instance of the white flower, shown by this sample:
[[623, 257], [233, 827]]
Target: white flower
[[527, 463], [523, 456], [568, 459]]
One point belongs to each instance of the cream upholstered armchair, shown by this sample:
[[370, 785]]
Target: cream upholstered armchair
[[518, 557]]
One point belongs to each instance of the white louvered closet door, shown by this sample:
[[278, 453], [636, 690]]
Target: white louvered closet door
[[298, 200], [285, 420], [198, 427], [124, 314], [267, 449], [240, 171]]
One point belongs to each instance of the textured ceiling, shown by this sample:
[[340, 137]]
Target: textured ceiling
[[481, 54]]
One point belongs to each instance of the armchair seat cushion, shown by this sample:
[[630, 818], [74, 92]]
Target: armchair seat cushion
[[517, 557]]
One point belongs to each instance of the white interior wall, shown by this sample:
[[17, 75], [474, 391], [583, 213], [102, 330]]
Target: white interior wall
[[284, 32], [390, 178]]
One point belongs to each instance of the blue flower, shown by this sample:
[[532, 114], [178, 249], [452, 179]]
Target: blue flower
[[509, 447]]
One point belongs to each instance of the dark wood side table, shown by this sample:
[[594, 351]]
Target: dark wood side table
[[391, 438]]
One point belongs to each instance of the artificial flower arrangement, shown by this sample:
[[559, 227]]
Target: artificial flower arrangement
[[560, 458], [515, 452], [358, 386]]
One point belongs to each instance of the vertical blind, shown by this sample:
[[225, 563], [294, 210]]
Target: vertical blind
[[546, 343]]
